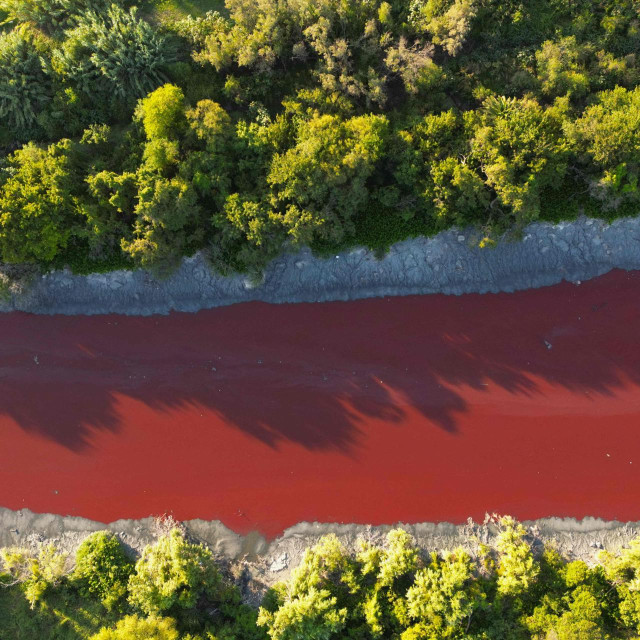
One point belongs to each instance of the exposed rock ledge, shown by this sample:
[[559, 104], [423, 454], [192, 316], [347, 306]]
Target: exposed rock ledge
[[258, 563], [447, 263]]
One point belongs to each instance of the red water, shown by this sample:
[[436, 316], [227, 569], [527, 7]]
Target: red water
[[399, 409]]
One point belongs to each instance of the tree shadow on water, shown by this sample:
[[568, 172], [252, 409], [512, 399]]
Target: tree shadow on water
[[314, 374]]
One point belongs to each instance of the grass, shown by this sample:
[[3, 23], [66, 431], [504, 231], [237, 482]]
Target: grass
[[167, 10], [63, 615]]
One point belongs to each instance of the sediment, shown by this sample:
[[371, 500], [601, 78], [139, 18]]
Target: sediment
[[450, 263]]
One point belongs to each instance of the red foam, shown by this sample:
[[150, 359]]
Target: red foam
[[400, 409]]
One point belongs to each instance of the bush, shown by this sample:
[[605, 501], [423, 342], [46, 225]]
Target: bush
[[173, 574], [136, 628], [102, 568]]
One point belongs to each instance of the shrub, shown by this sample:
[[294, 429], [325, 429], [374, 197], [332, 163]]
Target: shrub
[[173, 574], [36, 572], [102, 568], [136, 628]]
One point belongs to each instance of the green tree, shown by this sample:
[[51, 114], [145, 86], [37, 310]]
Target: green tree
[[560, 68], [102, 568], [162, 112], [321, 183], [447, 21], [521, 149], [114, 54], [38, 211], [441, 600], [168, 223], [173, 574], [517, 569], [50, 15], [36, 572], [623, 572], [136, 628], [309, 616], [608, 133], [25, 82]]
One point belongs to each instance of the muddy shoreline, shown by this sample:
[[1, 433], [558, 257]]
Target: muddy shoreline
[[258, 563], [450, 263]]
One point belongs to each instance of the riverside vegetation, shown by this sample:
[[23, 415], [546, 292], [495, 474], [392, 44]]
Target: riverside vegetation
[[135, 136], [175, 591]]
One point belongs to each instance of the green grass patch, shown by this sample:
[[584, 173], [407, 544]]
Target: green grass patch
[[169, 10], [62, 615]]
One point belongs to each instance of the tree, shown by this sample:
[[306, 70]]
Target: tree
[[309, 616], [113, 55], [37, 572], [50, 15], [168, 222], [102, 568], [320, 184], [109, 209], [162, 112], [522, 150], [448, 21], [173, 574], [559, 68], [38, 210], [623, 572], [517, 569], [441, 600], [25, 83], [136, 628], [608, 133]]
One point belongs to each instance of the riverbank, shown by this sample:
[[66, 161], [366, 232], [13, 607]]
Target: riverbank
[[450, 263], [258, 563]]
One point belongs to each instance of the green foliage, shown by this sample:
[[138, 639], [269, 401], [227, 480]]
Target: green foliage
[[447, 21], [168, 223], [50, 15], [136, 628], [162, 112], [441, 600], [102, 568], [272, 124], [36, 572], [25, 83], [113, 54], [321, 183], [37, 206], [517, 569], [310, 616], [609, 134], [522, 150], [173, 574], [376, 592]]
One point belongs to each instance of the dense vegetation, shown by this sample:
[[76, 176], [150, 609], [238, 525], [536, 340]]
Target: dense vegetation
[[175, 591], [135, 136]]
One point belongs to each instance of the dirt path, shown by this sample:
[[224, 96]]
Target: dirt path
[[413, 409]]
